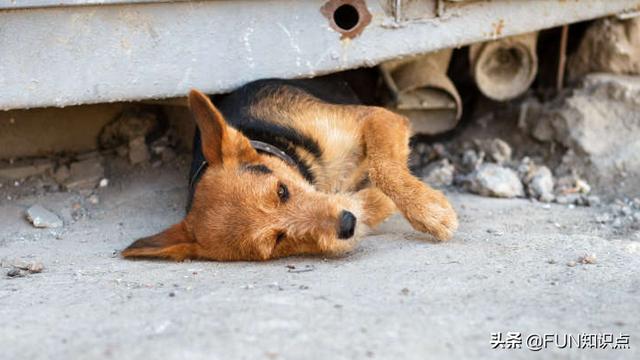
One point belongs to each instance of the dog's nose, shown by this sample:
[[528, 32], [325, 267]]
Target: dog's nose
[[347, 224]]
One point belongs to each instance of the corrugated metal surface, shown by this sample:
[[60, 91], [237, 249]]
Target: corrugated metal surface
[[57, 56]]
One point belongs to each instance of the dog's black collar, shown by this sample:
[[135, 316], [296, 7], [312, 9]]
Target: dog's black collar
[[258, 145], [272, 150]]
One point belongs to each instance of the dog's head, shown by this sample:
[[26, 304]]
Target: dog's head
[[249, 206]]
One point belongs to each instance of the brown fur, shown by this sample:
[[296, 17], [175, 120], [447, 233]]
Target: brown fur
[[238, 215]]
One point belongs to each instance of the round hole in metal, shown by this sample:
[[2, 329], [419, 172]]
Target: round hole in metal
[[346, 17]]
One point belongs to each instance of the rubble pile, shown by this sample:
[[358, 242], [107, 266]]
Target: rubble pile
[[598, 123], [486, 167]]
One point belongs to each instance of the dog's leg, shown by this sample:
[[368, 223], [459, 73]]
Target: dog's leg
[[376, 206], [386, 140]]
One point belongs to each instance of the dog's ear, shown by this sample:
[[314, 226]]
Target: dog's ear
[[220, 143], [174, 243]]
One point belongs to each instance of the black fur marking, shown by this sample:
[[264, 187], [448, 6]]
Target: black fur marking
[[257, 169], [236, 109]]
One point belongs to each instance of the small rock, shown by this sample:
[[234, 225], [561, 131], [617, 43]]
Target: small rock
[[42, 218], [497, 149], [439, 174], [103, 183], [439, 151], [84, 174], [471, 160], [582, 186], [133, 123], [568, 199], [526, 168], [94, 199], [593, 200], [61, 174], [540, 185], [571, 264], [422, 149], [617, 223], [404, 291], [138, 151], [587, 259], [572, 185], [35, 267], [157, 149], [15, 272], [306, 268], [497, 181], [495, 232]]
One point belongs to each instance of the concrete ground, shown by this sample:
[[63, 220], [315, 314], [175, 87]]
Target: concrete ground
[[512, 267]]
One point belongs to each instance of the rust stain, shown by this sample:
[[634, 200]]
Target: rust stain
[[498, 27]]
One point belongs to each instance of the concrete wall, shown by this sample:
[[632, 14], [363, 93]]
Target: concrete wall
[[44, 131]]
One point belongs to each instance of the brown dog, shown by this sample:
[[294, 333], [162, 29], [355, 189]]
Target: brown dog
[[294, 172]]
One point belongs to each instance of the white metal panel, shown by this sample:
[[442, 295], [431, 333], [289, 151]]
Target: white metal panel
[[60, 56]]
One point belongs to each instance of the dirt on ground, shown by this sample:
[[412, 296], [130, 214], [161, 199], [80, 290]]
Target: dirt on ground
[[515, 265]]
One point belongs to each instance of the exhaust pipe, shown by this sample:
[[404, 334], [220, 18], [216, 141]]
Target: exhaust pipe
[[423, 92], [504, 69]]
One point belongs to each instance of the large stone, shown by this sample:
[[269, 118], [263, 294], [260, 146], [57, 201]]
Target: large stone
[[42, 218], [84, 174], [609, 45], [599, 124], [497, 181]]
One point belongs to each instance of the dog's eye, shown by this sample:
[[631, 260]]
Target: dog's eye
[[283, 192], [280, 237]]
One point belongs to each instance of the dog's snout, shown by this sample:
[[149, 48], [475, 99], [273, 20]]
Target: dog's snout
[[347, 225]]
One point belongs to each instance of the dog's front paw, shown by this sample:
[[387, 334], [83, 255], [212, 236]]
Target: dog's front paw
[[432, 213]]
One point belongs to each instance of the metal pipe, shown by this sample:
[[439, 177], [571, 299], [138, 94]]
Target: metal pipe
[[504, 69], [423, 92]]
